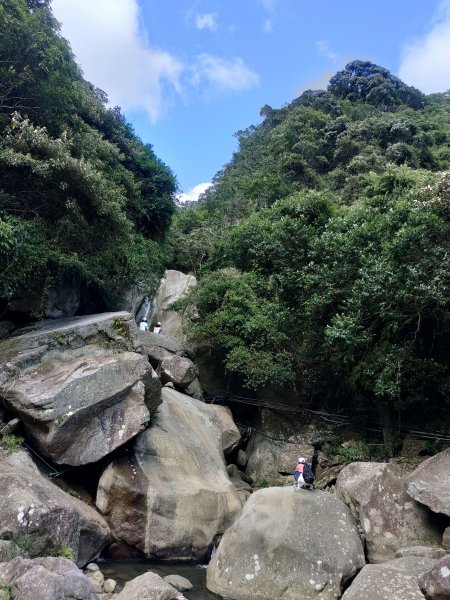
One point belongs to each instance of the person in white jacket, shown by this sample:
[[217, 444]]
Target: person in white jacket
[[143, 325]]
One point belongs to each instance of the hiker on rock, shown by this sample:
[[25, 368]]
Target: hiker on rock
[[303, 474], [157, 328], [143, 325]]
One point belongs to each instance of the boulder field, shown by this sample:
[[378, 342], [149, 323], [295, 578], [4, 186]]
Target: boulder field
[[86, 395]]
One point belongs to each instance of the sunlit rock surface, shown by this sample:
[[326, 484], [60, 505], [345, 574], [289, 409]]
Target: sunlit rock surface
[[287, 544], [170, 495]]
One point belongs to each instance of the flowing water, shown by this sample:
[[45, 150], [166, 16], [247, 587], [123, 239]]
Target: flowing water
[[123, 571]]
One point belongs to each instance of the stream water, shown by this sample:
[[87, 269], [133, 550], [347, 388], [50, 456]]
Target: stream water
[[123, 571]]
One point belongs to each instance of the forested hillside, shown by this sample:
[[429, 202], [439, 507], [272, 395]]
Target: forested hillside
[[323, 251], [81, 197]]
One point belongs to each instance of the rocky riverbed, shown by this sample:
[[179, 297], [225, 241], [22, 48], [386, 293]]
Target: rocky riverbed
[[122, 459]]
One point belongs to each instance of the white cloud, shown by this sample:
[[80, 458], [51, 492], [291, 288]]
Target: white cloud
[[425, 61], [207, 21], [323, 47], [224, 74], [193, 194], [268, 26], [269, 5], [113, 48], [115, 54]]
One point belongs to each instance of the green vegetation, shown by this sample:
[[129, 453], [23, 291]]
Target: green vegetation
[[5, 592], [11, 443], [82, 199], [357, 450], [323, 252], [63, 551]]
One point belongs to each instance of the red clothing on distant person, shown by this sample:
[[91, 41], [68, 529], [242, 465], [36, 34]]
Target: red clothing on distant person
[[300, 467]]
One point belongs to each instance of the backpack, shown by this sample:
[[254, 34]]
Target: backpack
[[308, 475]]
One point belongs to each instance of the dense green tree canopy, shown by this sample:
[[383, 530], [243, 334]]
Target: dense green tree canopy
[[79, 192], [325, 269]]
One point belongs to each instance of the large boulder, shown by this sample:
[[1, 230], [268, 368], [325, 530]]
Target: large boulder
[[39, 517], [46, 578], [177, 369], [376, 494], [435, 583], [173, 286], [149, 586], [158, 346], [80, 386], [170, 496], [429, 484], [393, 580], [287, 544]]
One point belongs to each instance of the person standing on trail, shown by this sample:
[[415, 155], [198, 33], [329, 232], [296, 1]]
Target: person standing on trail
[[157, 328], [143, 325]]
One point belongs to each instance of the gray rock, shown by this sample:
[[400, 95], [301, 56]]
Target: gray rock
[[178, 582], [268, 458], [376, 494], [393, 580], [242, 459], [435, 583], [230, 435], [40, 518], [194, 389], [5, 328], [148, 586], [424, 551], [156, 498], [234, 472], [328, 477], [173, 286], [10, 427], [46, 579], [241, 485], [8, 549], [96, 579], [287, 544], [446, 539], [63, 300], [429, 484], [92, 567], [151, 340], [134, 299], [79, 385], [181, 371], [109, 586]]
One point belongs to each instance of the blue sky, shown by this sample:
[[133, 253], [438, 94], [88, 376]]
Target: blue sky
[[188, 74]]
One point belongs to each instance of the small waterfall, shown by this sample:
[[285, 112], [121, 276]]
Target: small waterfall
[[144, 309]]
